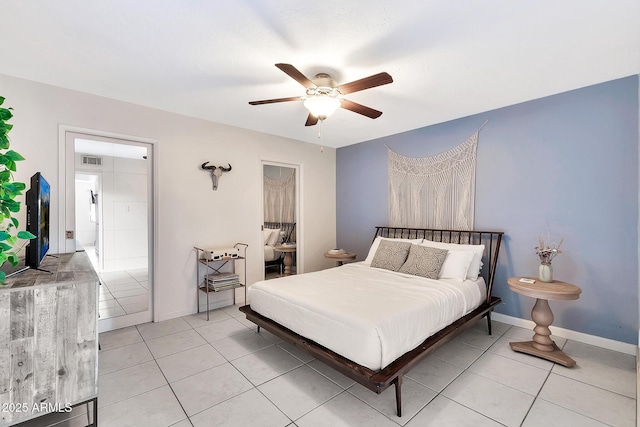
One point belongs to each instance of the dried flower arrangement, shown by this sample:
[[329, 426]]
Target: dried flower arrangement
[[547, 251]]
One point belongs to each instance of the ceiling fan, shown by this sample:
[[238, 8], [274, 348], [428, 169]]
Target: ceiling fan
[[324, 95]]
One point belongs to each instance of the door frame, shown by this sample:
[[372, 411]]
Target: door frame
[[66, 211], [298, 167]]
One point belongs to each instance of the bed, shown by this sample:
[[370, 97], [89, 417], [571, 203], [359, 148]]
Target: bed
[[276, 233], [373, 324]]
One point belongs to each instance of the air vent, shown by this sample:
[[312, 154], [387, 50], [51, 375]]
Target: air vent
[[92, 160]]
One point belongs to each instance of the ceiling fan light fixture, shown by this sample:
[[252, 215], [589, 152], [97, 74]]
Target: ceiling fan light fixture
[[324, 96], [322, 106]]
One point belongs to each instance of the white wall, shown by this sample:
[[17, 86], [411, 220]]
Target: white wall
[[124, 215], [188, 211], [85, 227], [123, 211]]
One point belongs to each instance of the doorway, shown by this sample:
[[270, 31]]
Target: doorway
[[109, 210], [281, 219]]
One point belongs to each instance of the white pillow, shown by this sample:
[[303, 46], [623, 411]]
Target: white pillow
[[476, 263], [456, 265], [376, 243], [271, 236], [274, 239]]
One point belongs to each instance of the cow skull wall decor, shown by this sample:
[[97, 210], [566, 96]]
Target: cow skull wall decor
[[216, 172]]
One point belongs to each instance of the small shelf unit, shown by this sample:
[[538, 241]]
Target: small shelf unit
[[210, 277]]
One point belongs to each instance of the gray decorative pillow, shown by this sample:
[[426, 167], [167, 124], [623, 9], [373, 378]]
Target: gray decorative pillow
[[424, 261], [391, 255]]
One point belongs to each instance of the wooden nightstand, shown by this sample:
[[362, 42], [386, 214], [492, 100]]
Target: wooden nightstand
[[340, 258], [288, 258], [543, 346]]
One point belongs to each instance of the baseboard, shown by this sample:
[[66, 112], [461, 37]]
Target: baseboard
[[212, 306], [118, 322], [610, 344]]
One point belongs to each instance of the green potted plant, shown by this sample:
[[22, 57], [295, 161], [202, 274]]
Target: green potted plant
[[9, 190]]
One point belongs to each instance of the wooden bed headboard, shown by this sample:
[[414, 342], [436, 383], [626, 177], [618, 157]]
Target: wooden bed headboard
[[490, 239]]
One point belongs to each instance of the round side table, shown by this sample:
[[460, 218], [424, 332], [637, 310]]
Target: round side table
[[341, 257], [288, 258], [541, 345]]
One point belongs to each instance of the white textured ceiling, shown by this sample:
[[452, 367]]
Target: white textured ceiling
[[207, 59]]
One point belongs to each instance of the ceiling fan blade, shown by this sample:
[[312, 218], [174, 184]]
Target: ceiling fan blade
[[366, 83], [360, 109], [311, 120], [271, 101], [296, 75]]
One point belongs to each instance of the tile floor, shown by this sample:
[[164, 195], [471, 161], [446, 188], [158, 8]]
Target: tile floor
[[121, 292], [190, 372], [273, 272]]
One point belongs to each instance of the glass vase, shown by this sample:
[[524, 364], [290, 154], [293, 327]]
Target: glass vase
[[545, 272]]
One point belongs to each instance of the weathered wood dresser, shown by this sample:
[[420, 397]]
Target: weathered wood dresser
[[49, 339]]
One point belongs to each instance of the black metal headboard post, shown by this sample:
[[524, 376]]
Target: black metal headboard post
[[490, 239]]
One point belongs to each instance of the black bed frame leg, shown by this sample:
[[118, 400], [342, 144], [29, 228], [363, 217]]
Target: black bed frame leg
[[95, 412], [489, 321], [399, 395], [258, 330]]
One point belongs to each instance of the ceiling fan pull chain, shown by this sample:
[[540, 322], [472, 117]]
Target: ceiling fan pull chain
[[320, 136]]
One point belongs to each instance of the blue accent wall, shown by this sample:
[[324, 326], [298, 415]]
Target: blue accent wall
[[566, 165]]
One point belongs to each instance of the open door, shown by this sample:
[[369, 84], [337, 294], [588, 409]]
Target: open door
[[109, 215], [281, 221]]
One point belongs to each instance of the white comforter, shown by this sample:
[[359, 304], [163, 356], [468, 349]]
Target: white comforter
[[368, 315], [270, 253]]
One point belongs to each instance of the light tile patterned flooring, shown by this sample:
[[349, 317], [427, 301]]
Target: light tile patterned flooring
[[190, 372], [123, 292]]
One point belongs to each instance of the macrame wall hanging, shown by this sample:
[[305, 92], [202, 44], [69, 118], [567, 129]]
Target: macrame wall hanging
[[280, 199], [434, 192]]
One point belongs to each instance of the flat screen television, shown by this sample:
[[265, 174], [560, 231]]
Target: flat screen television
[[37, 201]]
